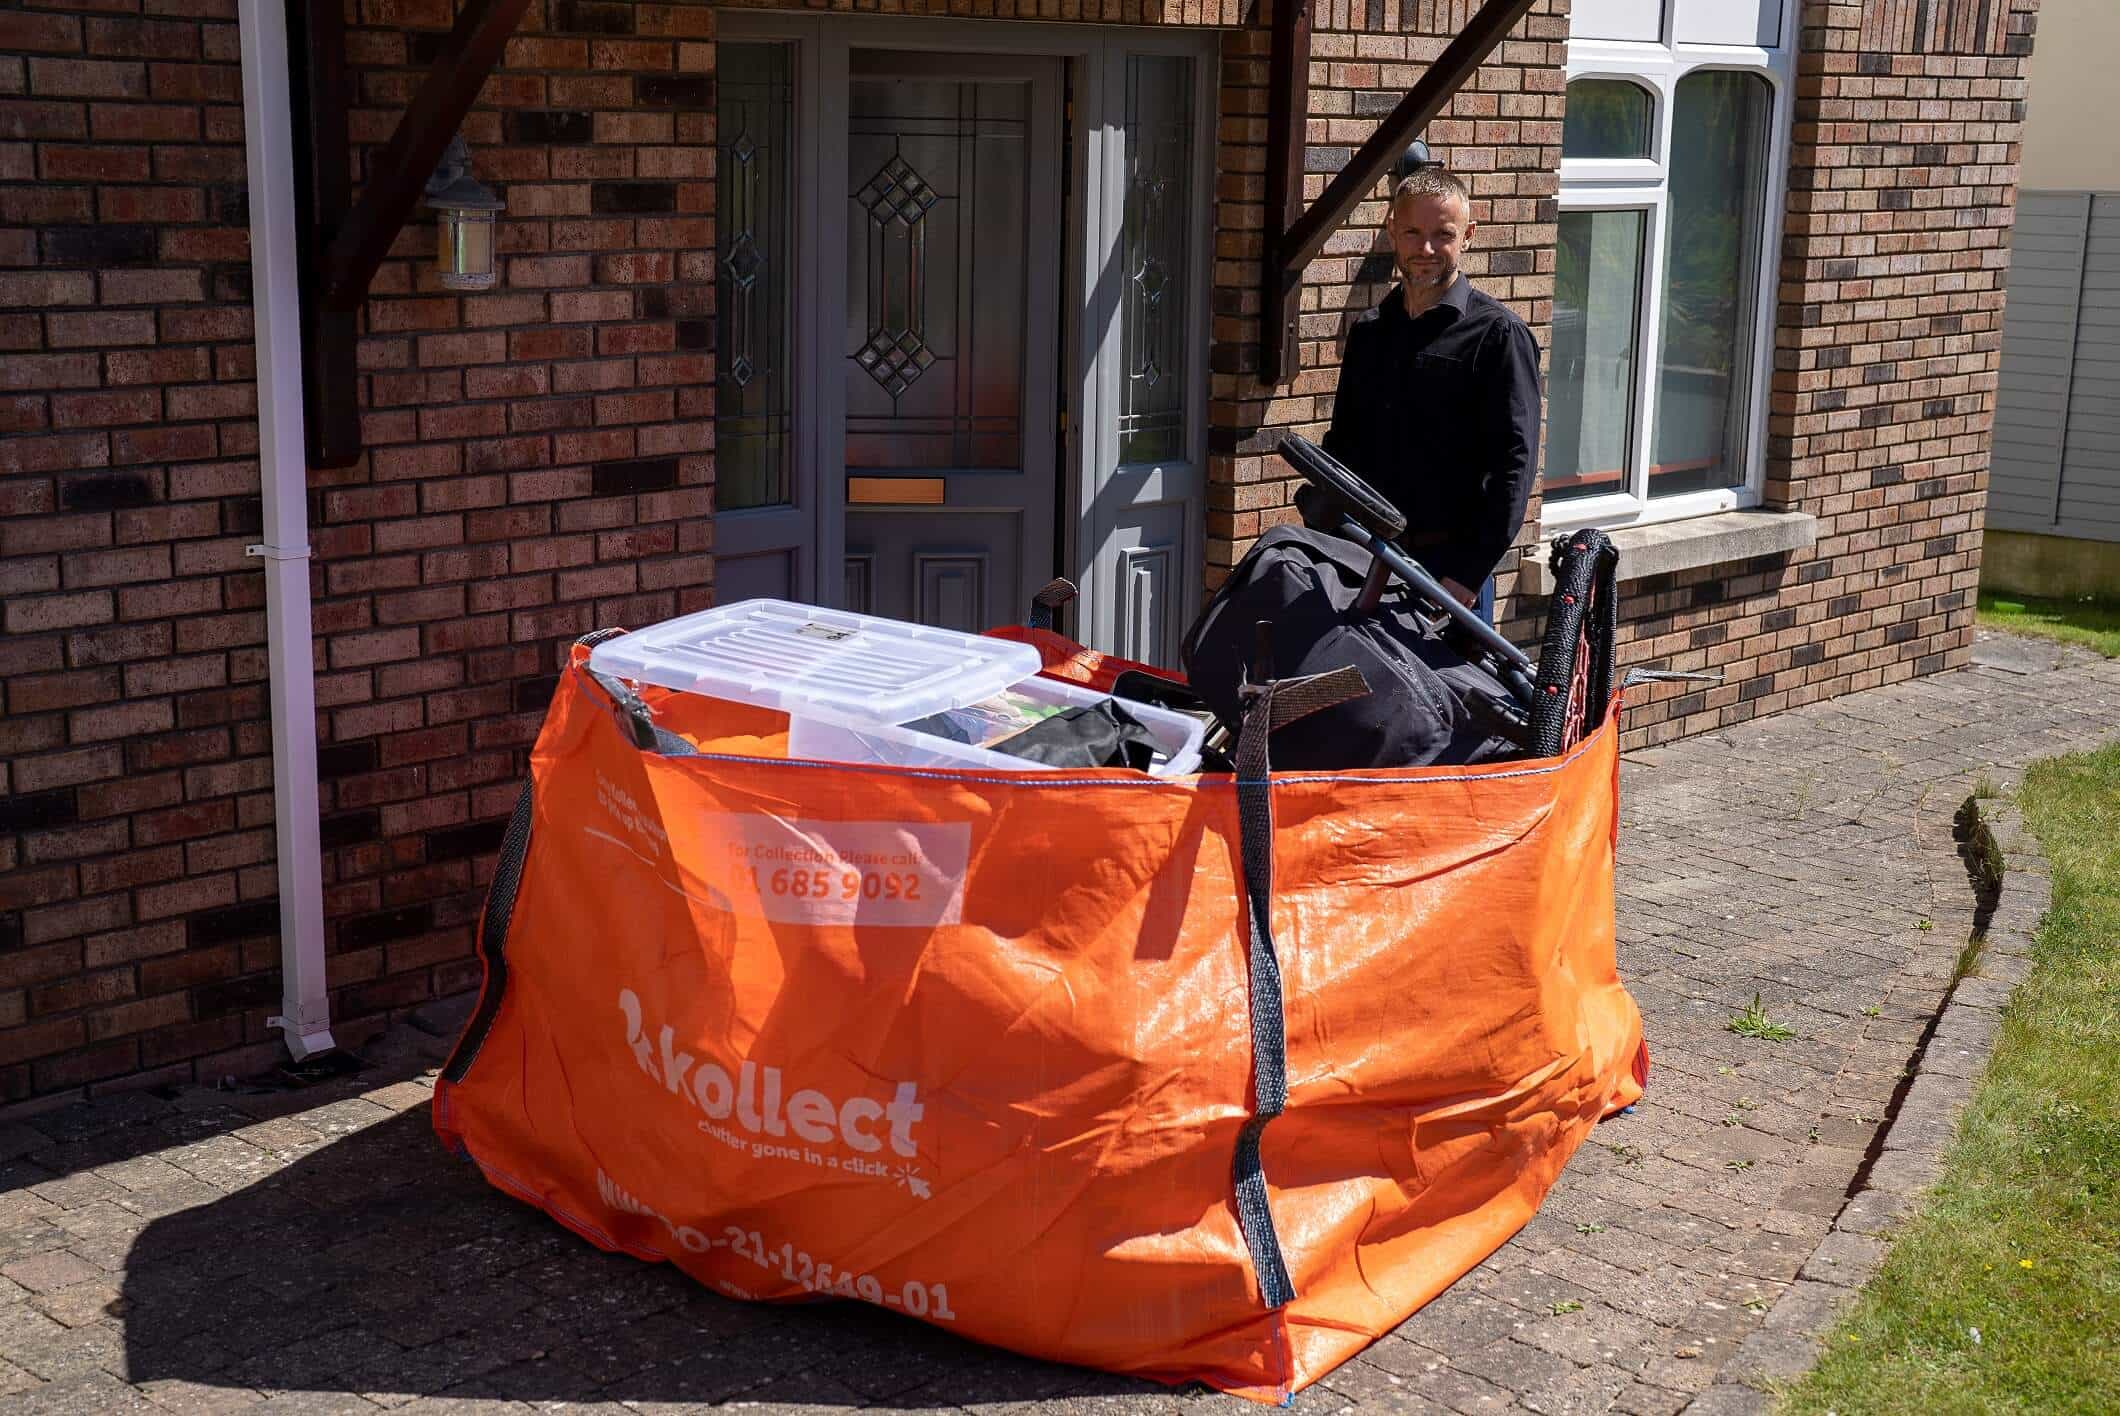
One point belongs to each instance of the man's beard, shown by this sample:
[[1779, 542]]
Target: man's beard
[[1428, 282]]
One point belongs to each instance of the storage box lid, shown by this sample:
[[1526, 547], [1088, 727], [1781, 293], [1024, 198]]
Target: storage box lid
[[816, 662]]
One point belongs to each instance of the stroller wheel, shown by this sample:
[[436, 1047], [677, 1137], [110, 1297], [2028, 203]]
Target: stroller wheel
[[1574, 685]]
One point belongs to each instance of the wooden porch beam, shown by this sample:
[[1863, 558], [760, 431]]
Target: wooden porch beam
[[1291, 247], [1287, 116], [323, 189]]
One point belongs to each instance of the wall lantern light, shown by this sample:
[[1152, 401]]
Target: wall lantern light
[[464, 218], [1411, 161]]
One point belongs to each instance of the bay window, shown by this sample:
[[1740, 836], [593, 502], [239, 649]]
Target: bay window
[[1674, 150]]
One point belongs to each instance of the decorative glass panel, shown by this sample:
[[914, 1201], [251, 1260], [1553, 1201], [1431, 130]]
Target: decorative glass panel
[[937, 240], [1606, 118], [1152, 312], [1597, 287], [1717, 222], [753, 437]]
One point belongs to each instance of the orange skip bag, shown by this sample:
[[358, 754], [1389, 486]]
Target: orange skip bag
[[1189, 1078]]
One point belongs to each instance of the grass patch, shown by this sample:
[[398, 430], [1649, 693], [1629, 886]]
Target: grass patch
[[2001, 1295], [2092, 621]]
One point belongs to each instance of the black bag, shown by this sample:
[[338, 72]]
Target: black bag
[[1426, 704]]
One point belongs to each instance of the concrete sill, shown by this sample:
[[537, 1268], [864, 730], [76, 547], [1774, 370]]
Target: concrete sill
[[1669, 546]]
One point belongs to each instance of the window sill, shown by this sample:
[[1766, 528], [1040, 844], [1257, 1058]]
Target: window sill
[[1669, 546]]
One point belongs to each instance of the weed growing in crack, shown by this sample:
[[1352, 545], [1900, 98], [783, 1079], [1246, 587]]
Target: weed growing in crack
[[1737, 1165], [1871, 1010], [1594, 1226], [1754, 1022], [1564, 1307]]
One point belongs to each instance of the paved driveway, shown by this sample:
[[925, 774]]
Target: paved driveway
[[315, 1251]]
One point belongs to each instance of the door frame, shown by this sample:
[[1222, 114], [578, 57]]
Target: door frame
[[1094, 55]]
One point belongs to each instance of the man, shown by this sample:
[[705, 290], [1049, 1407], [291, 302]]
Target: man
[[1438, 406]]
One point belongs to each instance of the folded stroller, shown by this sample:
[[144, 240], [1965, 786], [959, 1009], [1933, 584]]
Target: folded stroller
[[1444, 689]]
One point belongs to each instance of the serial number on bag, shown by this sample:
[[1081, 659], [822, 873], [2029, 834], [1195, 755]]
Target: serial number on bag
[[836, 885], [922, 1300]]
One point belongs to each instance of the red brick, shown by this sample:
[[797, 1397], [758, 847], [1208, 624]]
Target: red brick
[[128, 446], [160, 366], [23, 414], [187, 326], [199, 892], [206, 83], [110, 1060], [172, 1044], [205, 243], [101, 410], [42, 1039], [124, 946], [220, 162], [86, 78], [144, 39], [81, 991], [144, 122], [49, 371], [120, 720], [34, 614], [220, 400], [102, 329], [530, 344], [133, 868], [42, 120], [45, 693], [47, 923], [47, 34], [70, 452], [138, 1016], [150, 287], [96, 164], [40, 289], [189, 969]]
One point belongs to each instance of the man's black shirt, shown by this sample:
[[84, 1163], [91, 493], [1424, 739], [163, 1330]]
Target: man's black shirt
[[1440, 412]]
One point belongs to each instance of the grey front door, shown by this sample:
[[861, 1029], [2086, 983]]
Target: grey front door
[[949, 367]]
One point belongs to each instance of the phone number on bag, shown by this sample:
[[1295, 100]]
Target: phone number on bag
[[922, 1300], [840, 884]]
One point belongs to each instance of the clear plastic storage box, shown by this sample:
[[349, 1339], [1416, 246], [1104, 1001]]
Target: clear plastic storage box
[[817, 663], [857, 688]]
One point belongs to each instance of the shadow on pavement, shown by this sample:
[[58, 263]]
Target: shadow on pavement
[[378, 1264]]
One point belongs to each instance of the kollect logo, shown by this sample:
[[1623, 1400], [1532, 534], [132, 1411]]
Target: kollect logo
[[755, 1100]]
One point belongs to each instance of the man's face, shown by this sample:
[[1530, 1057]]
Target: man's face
[[1427, 234]]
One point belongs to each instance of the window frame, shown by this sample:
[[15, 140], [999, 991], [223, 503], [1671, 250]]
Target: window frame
[[1644, 184]]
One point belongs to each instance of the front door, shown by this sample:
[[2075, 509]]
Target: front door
[[960, 338], [950, 358]]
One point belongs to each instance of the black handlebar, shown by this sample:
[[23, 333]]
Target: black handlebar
[[1371, 523]]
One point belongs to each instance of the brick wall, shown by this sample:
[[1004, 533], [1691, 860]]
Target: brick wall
[[538, 464], [540, 456], [136, 829], [1887, 342]]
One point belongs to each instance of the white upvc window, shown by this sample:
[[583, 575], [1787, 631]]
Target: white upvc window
[[1674, 170]]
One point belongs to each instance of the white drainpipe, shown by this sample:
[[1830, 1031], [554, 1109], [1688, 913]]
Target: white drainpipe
[[305, 1006]]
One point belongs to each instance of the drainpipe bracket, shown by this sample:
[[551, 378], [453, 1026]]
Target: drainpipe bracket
[[278, 553], [304, 1039]]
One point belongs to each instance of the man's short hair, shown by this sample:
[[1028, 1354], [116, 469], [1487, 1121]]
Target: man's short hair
[[1434, 180]]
